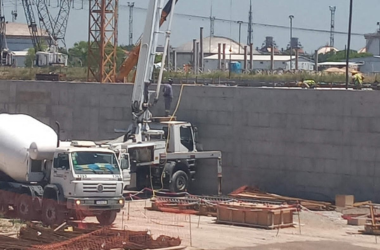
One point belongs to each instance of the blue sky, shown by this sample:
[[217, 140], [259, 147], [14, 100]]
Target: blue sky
[[308, 14]]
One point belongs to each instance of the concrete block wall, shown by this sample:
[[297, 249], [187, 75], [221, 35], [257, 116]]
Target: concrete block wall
[[309, 143], [84, 110]]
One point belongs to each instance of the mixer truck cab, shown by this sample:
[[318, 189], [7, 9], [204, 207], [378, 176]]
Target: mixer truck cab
[[43, 178], [90, 179]]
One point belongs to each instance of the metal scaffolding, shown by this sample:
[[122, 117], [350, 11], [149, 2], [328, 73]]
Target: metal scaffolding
[[102, 40]]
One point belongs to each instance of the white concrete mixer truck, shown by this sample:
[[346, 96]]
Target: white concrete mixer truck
[[43, 178]]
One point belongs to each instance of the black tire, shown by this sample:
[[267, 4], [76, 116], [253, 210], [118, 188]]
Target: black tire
[[107, 218], [4, 208], [25, 210], [52, 213], [180, 182]]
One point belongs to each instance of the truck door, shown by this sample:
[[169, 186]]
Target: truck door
[[125, 168], [61, 173], [187, 139]]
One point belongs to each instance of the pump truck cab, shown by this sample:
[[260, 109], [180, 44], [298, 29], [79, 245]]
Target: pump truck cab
[[42, 178], [168, 160]]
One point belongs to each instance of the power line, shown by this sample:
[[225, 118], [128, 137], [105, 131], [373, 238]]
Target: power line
[[259, 24], [204, 18]]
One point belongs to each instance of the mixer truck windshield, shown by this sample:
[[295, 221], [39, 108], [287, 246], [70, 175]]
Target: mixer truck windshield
[[94, 163]]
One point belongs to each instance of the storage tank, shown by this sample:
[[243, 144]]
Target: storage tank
[[22, 137]]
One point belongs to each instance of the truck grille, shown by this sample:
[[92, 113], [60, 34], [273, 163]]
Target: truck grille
[[100, 188]]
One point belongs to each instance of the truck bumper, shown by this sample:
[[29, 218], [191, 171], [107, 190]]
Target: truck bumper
[[96, 204]]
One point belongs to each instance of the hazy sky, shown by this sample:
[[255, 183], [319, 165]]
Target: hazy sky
[[308, 14]]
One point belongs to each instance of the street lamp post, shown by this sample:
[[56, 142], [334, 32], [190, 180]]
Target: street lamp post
[[239, 22], [291, 45]]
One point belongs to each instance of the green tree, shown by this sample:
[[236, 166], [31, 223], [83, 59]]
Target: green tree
[[158, 58], [127, 47], [30, 58], [340, 56], [78, 54]]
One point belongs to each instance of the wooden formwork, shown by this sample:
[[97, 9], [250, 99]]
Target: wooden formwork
[[261, 216]]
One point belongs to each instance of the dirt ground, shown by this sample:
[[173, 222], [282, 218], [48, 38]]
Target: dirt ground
[[318, 230]]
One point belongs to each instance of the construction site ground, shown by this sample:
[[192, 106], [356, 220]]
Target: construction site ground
[[319, 230]]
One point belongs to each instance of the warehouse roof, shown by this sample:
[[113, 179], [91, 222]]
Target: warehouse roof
[[21, 30], [210, 45]]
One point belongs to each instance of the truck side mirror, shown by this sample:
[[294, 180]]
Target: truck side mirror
[[124, 162]]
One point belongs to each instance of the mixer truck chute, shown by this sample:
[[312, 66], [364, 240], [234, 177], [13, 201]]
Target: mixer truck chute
[[44, 182]]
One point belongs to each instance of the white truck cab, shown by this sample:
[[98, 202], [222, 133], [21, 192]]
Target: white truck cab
[[89, 181]]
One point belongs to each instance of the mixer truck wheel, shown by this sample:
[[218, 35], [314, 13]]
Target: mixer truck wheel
[[52, 214], [106, 218], [25, 208]]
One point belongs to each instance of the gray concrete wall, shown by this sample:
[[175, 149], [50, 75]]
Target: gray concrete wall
[[308, 143]]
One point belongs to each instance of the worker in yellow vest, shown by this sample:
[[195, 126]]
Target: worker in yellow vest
[[357, 79], [310, 84]]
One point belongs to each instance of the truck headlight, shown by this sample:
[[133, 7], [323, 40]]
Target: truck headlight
[[121, 201], [77, 202]]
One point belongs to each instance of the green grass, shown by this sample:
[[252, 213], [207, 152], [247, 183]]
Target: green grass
[[80, 74], [72, 74]]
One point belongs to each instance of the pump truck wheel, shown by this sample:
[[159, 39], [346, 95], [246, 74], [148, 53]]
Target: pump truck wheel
[[180, 182]]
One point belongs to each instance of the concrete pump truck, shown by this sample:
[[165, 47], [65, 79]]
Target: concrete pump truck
[[166, 157]]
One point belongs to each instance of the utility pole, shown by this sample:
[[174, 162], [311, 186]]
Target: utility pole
[[2, 31], [378, 25], [349, 42], [332, 9], [250, 25], [291, 45], [212, 27], [378, 31], [239, 22], [131, 5]]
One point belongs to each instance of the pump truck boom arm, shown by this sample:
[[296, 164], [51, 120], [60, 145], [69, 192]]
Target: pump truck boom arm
[[133, 57], [145, 66], [146, 57]]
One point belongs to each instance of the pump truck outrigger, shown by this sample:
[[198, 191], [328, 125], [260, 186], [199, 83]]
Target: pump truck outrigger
[[42, 178], [166, 156]]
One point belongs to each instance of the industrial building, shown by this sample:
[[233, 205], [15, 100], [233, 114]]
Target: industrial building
[[368, 65], [19, 42], [18, 36], [261, 62], [268, 44], [373, 43], [184, 53]]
